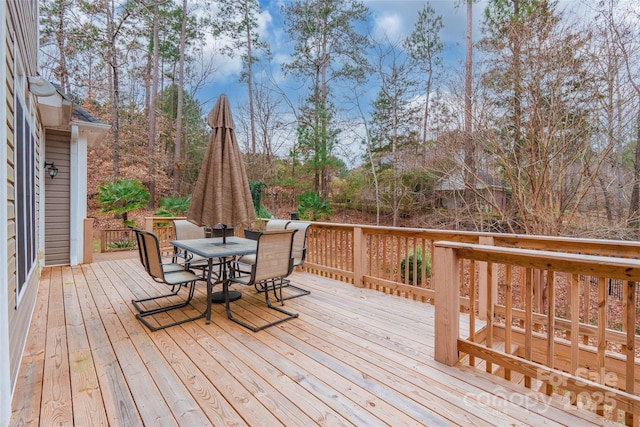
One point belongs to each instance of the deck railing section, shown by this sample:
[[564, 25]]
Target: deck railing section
[[119, 239], [582, 350], [549, 318], [163, 228], [390, 259]]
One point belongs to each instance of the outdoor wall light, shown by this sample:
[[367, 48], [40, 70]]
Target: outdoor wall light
[[41, 87], [52, 170]]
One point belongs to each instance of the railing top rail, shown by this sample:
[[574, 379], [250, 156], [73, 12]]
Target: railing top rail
[[607, 266], [623, 248]]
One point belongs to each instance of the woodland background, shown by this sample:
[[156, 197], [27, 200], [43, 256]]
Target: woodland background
[[538, 131]]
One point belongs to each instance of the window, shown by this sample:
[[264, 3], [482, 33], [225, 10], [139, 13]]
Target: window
[[25, 204]]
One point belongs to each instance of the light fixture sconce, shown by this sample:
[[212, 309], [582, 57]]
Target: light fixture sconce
[[41, 87], [52, 170]]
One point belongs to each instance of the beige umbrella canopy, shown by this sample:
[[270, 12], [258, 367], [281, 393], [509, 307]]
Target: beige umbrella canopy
[[222, 194]]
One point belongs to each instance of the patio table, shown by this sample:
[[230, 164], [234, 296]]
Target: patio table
[[212, 248]]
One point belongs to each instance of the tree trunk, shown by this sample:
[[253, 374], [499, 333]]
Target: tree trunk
[[394, 150], [178, 141], [425, 124], [517, 90], [324, 139], [115, 89], [152, 110], [60, 39], [252, 121], [634, 204], [469, 152]]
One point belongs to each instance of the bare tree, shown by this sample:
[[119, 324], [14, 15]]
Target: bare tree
[[327, 46], [152, 107], [626, 39], [469, 145], [552, 167], [178, 139], [111, 57], [425, 48], [393, 115]]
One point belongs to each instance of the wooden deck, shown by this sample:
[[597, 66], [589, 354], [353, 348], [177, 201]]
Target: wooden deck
[[353, 357]]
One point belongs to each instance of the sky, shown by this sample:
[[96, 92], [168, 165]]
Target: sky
[[395, 18]]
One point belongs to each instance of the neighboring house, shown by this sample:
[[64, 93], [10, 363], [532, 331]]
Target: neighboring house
[[41, 218], [450, 191]]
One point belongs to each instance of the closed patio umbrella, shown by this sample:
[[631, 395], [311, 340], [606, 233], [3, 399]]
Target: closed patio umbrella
[[222, 194]]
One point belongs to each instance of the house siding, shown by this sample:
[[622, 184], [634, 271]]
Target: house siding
[[20, 46], [11, 226], [57, 200]]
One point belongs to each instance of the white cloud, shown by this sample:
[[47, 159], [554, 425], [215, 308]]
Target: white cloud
[[264, 22], [389, 27]]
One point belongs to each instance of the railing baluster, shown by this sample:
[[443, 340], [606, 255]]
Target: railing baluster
[[630, 348], [551, 318], [472, 304], [528, 321]]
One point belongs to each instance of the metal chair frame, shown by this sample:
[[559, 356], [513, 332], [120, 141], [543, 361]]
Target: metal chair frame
[[299, 253], [172, 274], [273, 263], [299, 247]]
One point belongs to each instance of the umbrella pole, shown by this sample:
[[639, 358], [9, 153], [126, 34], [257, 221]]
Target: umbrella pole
[[224, 234]]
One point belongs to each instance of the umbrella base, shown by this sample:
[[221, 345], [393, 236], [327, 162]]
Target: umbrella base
[[218, 297]]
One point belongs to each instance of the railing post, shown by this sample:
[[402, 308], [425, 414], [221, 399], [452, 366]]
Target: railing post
[[483, 276], [87, 249], [359, 256], [148, 224], [447, 311]]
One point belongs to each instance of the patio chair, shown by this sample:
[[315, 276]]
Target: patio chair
[[276, 224], [273, 263], [166, 273], [219, 232], [248, 260], [298, 253], [168, 267], [186, 230], [299, 242]]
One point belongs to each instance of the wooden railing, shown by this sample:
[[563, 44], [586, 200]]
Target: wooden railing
[[163, 228], [586, 354], [541, 310], [119, 239], [382, 258], [393, 260]]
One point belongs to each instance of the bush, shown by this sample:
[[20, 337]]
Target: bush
[[123, 244], [123, 196], [262, 212], [256, 188], [173, 206], [419, 258], [312, 207]]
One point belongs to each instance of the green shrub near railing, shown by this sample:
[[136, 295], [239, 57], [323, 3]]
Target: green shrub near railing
[[413, 270]]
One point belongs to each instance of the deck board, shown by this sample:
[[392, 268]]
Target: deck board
[[354, 357]]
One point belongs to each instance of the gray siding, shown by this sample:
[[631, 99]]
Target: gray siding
[[21, 43], [57, 202]]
